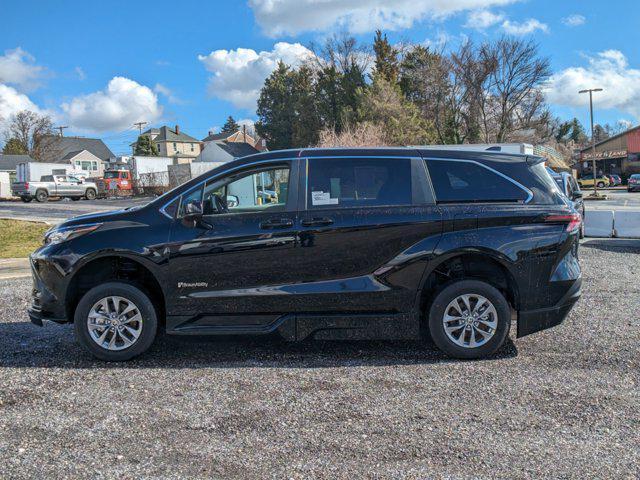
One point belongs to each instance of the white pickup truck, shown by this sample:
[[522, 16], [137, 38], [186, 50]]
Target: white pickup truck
[[55, 186]]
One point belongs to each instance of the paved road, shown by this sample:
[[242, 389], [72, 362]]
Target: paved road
[[618, 200], [57, 211], [559, 404]]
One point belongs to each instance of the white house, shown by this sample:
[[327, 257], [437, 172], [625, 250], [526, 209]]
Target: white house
[[86, 162]]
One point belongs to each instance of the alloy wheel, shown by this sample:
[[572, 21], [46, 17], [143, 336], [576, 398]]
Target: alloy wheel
[[114, 323], [470, 320]]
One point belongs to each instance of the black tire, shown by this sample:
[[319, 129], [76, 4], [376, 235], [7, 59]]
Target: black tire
[[75, 199], [42, 196], [26, 199], [600, 184], [447, 295], [90, 194], [131, 293]]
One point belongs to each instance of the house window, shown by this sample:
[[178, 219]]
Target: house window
[[175, 146], [192, 147]]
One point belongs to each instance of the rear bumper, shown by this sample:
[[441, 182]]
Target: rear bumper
[[532, 321]]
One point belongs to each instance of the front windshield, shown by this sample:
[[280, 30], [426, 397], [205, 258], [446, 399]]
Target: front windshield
[[111, 175]]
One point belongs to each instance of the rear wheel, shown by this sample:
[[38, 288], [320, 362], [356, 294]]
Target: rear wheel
[[41, 196], [75, 199], [115, 321], [26, 199], [90, 194], [469, 319], [600, 184]]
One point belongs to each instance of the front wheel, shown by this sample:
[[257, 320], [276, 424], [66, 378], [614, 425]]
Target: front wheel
[[469, 319], [115, 321], [90, 194]]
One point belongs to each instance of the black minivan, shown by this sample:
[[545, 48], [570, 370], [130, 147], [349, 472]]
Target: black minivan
[[397, 243]]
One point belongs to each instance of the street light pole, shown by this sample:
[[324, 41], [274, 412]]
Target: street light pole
[[593, 140]]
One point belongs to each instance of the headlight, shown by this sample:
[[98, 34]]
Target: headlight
[[67, 233]]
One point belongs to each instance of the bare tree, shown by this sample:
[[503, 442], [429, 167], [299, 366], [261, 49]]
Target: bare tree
[[513, 100], [33, 132]]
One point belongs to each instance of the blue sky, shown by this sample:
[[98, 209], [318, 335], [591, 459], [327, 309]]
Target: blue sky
[[100, 68]]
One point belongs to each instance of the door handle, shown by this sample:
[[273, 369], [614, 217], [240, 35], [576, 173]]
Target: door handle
[[276, 223], [316, 222]]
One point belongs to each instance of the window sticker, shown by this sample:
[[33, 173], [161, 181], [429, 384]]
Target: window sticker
[[323, 198]]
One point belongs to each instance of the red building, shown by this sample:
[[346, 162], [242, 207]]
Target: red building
[[619, 155]]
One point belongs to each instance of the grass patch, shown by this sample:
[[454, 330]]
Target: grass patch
[[19, 239]]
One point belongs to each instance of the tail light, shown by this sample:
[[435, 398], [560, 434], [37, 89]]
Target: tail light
[[572, 220], [26, 185]]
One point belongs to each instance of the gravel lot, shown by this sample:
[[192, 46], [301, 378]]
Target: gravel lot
[[562, 403]]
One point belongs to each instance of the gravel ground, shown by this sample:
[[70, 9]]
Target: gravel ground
[[562, 403]]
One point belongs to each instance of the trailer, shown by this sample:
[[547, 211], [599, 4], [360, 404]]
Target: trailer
[[34, 171]]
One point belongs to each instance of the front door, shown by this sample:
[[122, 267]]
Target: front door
[[233, 266]]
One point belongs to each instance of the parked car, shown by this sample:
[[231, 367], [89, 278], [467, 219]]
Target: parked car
[[356, 243], [633, 184], [570, 188], [587, 181], [614, 180], [55, 186]]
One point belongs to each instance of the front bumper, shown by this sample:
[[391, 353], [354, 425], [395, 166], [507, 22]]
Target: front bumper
[[45, 304], [532, 321]]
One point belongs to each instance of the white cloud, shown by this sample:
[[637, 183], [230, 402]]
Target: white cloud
[[481, 19], [250, 124], [122, 103], [12, 101], [168, 94], [608, 70], [18, 68], [238, 75], [278, 17], [524, 28], [574, 20], [80, 72]]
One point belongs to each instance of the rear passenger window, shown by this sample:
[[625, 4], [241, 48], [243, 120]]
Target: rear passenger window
[[353, 182], [462, 181]]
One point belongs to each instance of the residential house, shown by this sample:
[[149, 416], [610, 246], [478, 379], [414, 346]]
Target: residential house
[[241, 136], [59, 147], [173, 143], [86, 162], [223, 151]]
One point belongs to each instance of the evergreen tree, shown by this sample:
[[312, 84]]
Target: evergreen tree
[[578, 134], [275, 109], [14, 147], [386, 63], [145, 147], [230, 126], [306, 125], [401, 120]]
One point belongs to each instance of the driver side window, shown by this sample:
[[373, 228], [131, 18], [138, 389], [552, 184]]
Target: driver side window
[[260, 190], [246, 192]]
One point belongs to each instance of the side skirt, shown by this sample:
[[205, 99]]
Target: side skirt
[[298, 327]]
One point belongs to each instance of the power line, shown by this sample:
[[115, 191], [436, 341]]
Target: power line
[[140, 125], [61, 128]]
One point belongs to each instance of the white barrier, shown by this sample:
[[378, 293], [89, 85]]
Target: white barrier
[[627, 224], [598, 223]]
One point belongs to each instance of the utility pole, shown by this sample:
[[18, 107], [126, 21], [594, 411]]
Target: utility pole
[[593, 140], [140, 125], [61, 128]]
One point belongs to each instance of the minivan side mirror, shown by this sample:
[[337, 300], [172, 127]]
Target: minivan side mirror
[[193, 210]]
